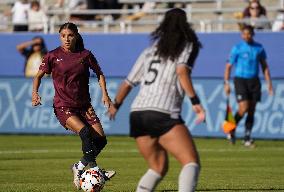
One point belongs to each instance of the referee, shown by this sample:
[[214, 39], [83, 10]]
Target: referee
[[246, 58]]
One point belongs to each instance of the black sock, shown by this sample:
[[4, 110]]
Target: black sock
[[248, 125], [88, 148], [238, 117], [84, 161], [99, 143]]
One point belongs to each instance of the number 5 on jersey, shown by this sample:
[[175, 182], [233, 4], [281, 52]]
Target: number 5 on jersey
[[152, 72]]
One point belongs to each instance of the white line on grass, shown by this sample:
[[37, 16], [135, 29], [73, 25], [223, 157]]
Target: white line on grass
[[131, 150], [60, 151]]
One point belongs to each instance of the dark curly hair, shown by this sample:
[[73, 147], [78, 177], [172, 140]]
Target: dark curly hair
[[249, 28], [173, 34]]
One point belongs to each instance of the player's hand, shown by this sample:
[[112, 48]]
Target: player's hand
[[200, 112], [227, 89], [36, 99], [270, 89], [112, 112], [106, 101]]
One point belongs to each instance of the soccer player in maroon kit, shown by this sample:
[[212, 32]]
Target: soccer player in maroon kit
[[69, 65]]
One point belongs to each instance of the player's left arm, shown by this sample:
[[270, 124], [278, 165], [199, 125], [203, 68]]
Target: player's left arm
[[267, 76], [36, 99], [101, 79], [105, 97], [183, 73]]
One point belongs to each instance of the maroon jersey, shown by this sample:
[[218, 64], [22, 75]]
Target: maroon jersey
[[70, 74]]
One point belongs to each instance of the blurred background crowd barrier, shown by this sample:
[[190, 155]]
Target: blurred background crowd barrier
[[127, 16]]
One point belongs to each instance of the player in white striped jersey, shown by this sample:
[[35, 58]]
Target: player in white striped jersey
[[163, 72], [160, 90]]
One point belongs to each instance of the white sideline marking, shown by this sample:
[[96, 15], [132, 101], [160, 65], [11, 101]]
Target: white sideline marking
[[131, 150], [61, 151]]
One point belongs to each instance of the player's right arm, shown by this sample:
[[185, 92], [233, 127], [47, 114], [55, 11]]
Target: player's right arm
[[36, 83], [232, 59], [122, 93], [45, 68], [133, 79]]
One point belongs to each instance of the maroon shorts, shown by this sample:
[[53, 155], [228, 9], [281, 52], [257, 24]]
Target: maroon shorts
[[86, 114]]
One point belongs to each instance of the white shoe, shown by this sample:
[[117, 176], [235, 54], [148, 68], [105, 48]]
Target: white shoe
[[249, 144], [231, 138], [109, 174], [77, 175], [106, 174]]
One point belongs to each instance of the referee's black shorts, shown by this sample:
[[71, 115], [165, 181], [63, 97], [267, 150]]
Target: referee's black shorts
[[152, 123], [247, 89]]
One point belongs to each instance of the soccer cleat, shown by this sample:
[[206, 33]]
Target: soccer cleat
[[231, 138], [107, 174], [249, 144], [77, 175]]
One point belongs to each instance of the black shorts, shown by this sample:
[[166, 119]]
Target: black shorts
[[247, 89], [151, 123]]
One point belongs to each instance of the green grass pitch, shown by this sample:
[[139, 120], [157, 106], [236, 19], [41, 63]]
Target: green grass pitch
[[41, 164]]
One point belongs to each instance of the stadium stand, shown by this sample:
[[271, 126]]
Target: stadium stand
[[205, 15]]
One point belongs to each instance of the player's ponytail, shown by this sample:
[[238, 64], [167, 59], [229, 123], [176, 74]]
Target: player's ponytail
[[79, 43], [79, 40]]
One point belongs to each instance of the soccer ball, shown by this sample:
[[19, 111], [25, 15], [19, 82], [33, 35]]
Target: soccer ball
[[92, 181]]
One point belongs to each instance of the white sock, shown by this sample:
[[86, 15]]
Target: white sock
[[149, 181], [81, 166], [188, 177], [96, 168]]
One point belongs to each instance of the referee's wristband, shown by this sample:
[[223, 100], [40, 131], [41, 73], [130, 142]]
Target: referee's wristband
[[226, 82], [195, 100], [117, 105]]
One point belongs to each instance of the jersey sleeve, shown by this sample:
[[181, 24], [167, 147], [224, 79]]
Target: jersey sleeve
[[136, 73], [187, 57], [233, 56], [94, 65], [46, 64]]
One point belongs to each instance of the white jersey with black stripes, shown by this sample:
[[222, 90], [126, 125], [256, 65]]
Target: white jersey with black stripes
[[160, 89]]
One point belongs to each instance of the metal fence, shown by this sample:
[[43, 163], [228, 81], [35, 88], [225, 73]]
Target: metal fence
[[216, 21]]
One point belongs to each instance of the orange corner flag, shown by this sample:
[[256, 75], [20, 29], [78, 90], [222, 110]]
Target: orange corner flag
[[229, 123]]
